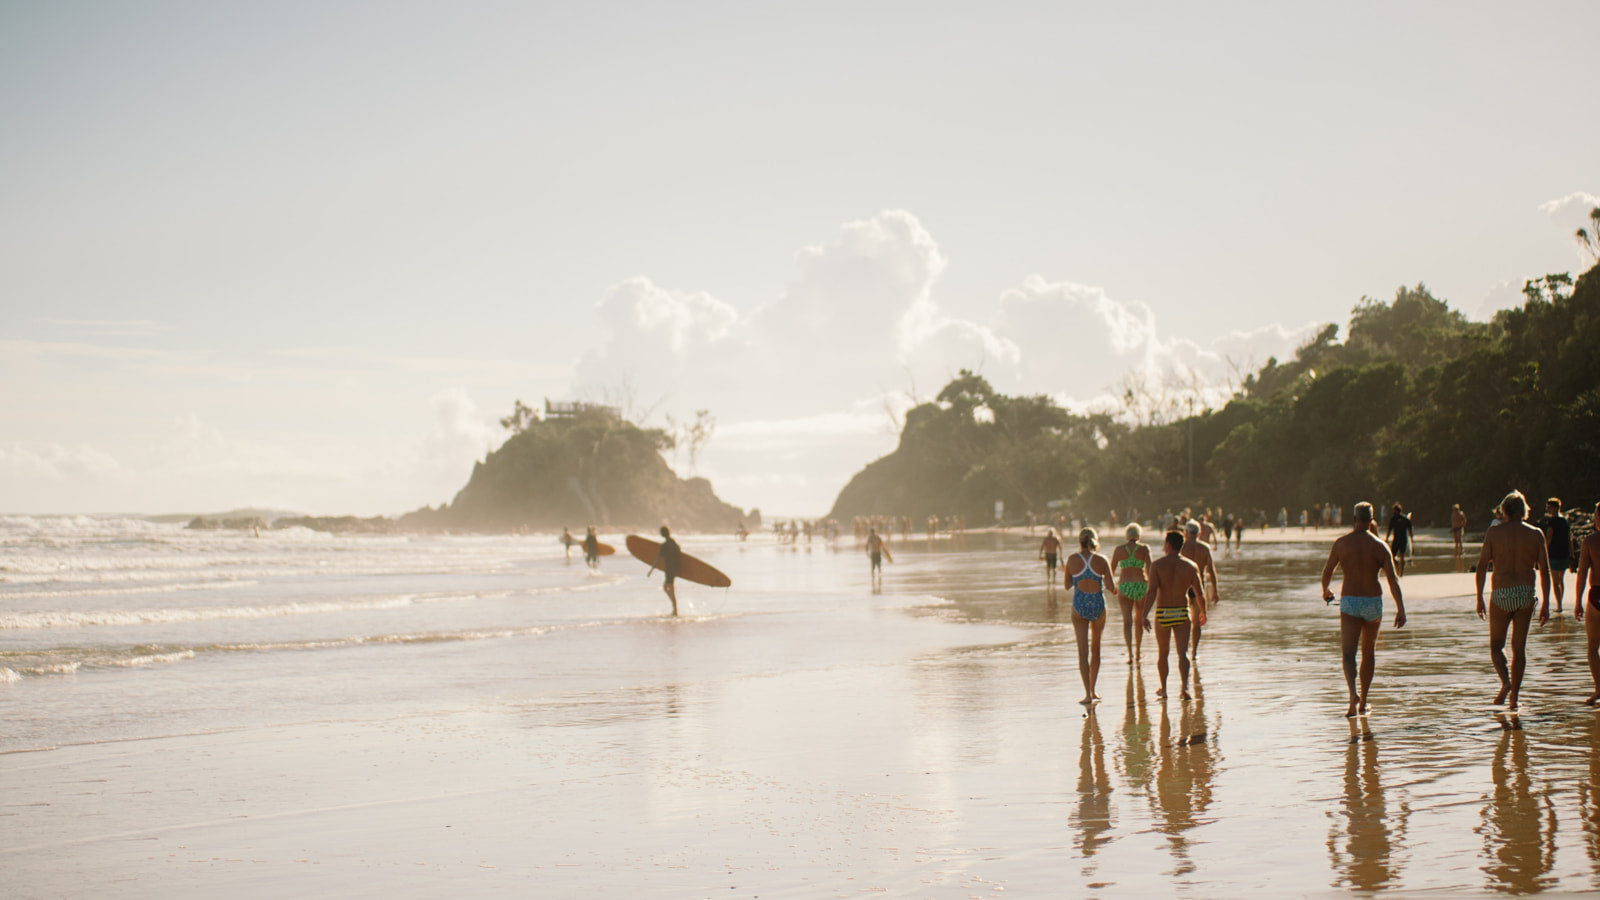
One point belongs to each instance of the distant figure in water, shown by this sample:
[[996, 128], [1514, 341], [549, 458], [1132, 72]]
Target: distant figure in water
[[1514, 550], [876, 551], [1090, 574], [1130, 560], [1050, 551], [1398, 534], [1558, 544], [1361, 556], [567, 540], [592, 548], [1173, 578], [1589, 577], [1198, 552], [1458, 526], [669, 559]]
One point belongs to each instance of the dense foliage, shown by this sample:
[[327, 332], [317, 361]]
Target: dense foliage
[[592, 468], [1418, 405]]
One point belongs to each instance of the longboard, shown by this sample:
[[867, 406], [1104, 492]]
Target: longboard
[[604, 549], [693, 569]]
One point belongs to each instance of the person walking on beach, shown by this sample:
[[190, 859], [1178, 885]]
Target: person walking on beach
[[1130, 561], [1398, 534], [567, 540], [1589, 577], [1458, 527], [1558, 544], [591, 548], [1361, 556], [876, 551], [1173, 578], [1050, 551], [1198, 552], [1090, 574], [1514, 550], [669, 559]]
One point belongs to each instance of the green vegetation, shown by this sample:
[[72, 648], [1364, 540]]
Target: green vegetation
[[585, 466], [1418, 405]]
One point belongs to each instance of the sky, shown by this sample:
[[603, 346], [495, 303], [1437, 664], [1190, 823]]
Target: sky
[[304, 255]]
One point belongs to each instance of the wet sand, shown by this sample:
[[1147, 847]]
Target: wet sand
[[811, 738]]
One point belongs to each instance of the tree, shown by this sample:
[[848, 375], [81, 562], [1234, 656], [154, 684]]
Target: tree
[[519, 420]]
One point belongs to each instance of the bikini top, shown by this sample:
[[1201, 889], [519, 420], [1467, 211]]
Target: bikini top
[[1088, 573], [1132, 562]]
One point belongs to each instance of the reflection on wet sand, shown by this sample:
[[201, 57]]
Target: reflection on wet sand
[[1519, 825], [1136, 736], [1183, 778], [1091, 820], [1589, 798], [1362, 840]]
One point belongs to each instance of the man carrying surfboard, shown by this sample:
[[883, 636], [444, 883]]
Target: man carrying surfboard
[[669, 559], [591, 549], [877, 550]]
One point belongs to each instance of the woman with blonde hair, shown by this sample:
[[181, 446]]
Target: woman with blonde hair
[[1089, 573], [1131, 561]]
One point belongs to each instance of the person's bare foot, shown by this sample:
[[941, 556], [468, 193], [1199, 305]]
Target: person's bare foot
[[1162, 693], [1351, 712], [1087, 701], [1186, 696], [1513, 705], [1592, 698], [1365, 707], [1500, 698]]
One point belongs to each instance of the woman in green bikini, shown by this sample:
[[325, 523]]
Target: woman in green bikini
[[1131, 560]]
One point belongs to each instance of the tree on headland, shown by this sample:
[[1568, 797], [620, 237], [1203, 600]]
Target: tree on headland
[[1419, 404]]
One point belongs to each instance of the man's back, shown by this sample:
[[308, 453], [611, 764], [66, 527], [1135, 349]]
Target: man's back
[[1360, 557], [1172, 577], [1515, 548]]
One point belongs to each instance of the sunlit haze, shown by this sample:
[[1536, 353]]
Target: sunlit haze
[[305, 255]]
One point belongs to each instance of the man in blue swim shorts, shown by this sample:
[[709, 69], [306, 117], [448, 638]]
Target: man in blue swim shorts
[[1361, 556], [1514, 550]]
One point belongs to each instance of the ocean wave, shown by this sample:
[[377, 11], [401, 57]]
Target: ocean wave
[[123, 591], [34, 620]]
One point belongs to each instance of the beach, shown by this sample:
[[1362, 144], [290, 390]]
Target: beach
[[187, 715]]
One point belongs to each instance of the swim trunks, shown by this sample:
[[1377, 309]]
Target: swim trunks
[[1367, 608], [1514, 599], [1172, 616], [877, 560], [1050, 560], [1134, 590]]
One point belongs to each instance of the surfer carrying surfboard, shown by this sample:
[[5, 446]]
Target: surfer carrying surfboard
[[669, 559], [591, 549], [877, 550]]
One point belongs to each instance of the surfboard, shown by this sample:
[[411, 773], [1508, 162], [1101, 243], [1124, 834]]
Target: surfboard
[[693, 569], [605, 549]]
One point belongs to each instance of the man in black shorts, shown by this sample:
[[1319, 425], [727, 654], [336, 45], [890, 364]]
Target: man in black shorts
[[669, 559], [1558, 540]]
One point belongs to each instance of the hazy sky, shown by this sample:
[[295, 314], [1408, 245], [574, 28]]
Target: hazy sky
[[304, 254]]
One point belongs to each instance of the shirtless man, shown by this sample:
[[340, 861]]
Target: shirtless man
[[1361, 556], [1515, 551], [876, 550], [1458, 526], [1050, 552], [1589, 577], [1173, 578], [1198, 552]]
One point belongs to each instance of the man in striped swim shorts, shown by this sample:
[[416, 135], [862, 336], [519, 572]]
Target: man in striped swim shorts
[[1171, 578], [1514, 550], [1361, 556]]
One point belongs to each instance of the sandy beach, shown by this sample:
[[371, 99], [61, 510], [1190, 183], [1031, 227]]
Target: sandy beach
[[799, 735]]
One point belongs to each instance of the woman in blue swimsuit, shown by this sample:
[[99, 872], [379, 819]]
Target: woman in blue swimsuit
[[1089, 573]]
